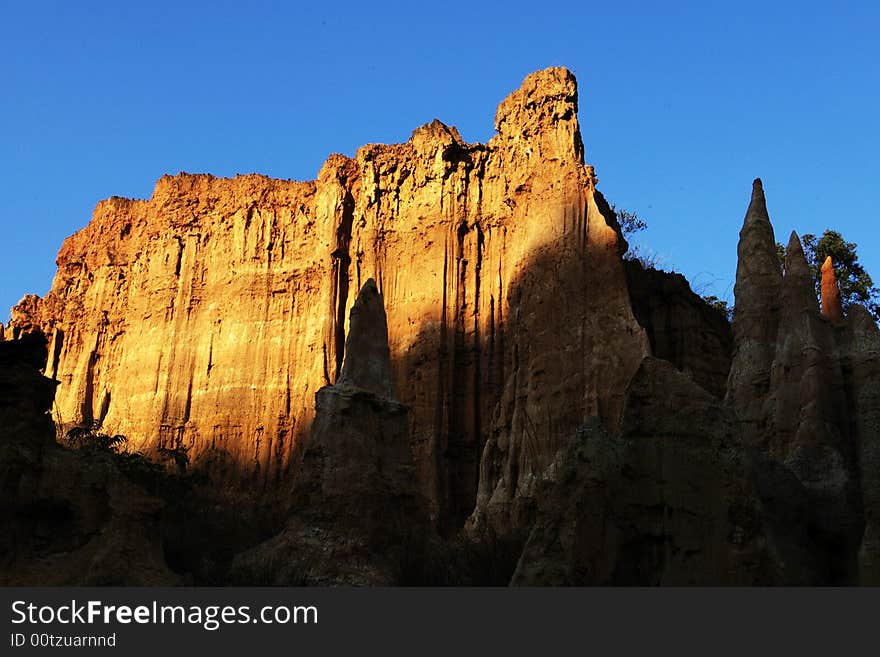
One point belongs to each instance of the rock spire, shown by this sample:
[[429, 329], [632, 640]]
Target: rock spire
[[832, 307], [758, 293]]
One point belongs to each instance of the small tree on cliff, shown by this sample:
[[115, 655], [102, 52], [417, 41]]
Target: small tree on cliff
[[720, 305], [630, 224], [856, 285], [90, 438], [629, 221]]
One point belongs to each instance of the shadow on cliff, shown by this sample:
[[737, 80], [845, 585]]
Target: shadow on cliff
[[464, 365], [498, 385], [503, 396], [537, 364]]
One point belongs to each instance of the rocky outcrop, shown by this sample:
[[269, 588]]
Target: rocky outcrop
[[355, 497], [675, 499], [68, 518], [681, 327], [229, 299], [24, 319], [832, 307]]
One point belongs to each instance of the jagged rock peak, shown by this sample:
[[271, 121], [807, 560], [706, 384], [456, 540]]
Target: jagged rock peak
[[797, 289], [543, 112], [436, 130], [832, 307], [795, 260], [757, 214], [367, 361], [25, 318], [759, 203], [758, 274]]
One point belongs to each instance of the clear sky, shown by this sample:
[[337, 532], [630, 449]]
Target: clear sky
[[682, 105]]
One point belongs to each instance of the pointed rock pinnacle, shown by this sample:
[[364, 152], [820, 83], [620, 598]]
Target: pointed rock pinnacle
[[832, 307], [756, 315], [795, 260], [797, 285], [758, 206], [758, 274], [367, 362]]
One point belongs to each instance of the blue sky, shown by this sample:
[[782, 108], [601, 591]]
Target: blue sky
[[682, 105]]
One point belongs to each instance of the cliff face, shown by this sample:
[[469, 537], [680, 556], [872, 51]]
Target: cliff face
[[209, 315]]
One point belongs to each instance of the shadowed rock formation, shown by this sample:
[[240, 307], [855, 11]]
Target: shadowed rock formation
[[68, 518], [859, 345], [25, 399], [681, 327], [808, 430], [815, 413], [758, 293], [355, 498], [677, 499], [367, 365]]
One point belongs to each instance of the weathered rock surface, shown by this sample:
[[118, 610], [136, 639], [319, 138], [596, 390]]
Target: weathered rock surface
[[676, 498], [67, 519], [355, 497], [209, 315], [681, 327]]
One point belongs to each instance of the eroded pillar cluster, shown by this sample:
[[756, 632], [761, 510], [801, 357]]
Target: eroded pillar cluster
[[800, 384]]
